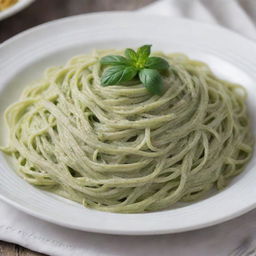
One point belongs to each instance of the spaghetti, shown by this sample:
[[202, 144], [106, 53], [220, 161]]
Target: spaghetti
[[121, 149], [4, 4]]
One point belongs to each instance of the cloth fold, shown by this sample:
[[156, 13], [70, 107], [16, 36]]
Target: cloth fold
[[239, 16], [220, 240]]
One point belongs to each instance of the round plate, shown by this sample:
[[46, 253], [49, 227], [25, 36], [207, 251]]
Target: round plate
[[24, 58], [20, 5]]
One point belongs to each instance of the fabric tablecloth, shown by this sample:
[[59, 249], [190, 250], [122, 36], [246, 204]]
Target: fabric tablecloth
[[219, 240]]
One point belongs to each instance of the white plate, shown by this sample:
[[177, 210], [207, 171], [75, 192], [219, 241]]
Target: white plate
[[15, 8], [23, 59]]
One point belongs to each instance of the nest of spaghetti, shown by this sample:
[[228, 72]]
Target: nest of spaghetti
[[121, 149]]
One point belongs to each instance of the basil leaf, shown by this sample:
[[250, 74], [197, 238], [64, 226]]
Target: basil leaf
[[114, 60], [157, 63], [131, 54], [144, 51], [152, 80], [117, 74]]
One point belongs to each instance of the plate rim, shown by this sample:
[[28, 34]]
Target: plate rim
[[104, 230], [66, 19]]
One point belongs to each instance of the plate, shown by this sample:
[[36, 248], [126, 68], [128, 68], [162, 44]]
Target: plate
[[24, 58], [15, 8]]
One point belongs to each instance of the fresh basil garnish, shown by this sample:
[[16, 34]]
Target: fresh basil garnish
[[157, 63], [114, 60], [117, 74], [131, 55], [135, 63], [152, 80]]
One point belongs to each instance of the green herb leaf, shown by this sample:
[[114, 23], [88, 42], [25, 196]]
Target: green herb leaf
[[131, 54], [114, 60], [157, 63], [124, 69], [144, 51], [152, 80], [117, 74]]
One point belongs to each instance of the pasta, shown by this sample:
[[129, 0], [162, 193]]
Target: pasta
[[121, 149], [4, 4]]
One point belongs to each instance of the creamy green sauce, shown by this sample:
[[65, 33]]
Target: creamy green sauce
[[120, 149]]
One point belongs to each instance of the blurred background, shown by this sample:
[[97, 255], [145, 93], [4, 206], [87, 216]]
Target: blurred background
[[41, 11]]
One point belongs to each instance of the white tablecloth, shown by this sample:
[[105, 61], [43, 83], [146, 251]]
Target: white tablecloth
[[219, 240]]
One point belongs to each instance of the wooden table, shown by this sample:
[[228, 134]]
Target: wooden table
[[46, 10]]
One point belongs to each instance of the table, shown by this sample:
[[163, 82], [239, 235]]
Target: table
[[46, 10]]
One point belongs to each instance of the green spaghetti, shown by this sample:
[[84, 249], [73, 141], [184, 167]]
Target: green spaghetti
[[121, 149]]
